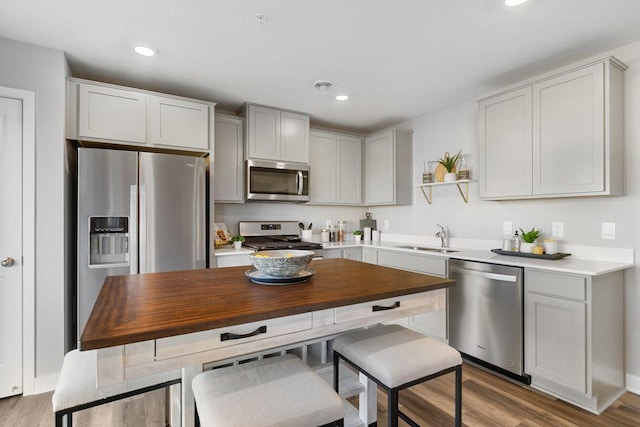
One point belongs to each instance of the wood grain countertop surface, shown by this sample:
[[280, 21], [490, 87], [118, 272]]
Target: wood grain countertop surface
[[140, 307]]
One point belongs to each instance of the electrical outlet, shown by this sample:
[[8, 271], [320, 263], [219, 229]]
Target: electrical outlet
[[557, 229], [386, 224], [609, 230], [507, 228]]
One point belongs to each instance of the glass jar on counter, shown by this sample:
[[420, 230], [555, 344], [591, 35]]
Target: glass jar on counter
[[342, 231], [324, 235], [333, 233]]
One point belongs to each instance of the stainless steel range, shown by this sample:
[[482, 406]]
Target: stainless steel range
[[265, 235]]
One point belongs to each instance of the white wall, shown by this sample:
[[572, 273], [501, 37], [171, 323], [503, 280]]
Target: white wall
[[43, 71], [454, 128]]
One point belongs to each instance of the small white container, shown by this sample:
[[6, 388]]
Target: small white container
[[550, 247], [375, 236], [450, 177], [357, 237], [367, 234], [237, 245], [307, 235]]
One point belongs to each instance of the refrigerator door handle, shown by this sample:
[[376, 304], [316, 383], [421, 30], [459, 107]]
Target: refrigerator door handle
[[143, 229], [133, 227]]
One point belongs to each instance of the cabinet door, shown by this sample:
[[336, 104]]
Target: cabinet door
[[294, 134], [380, 173], [263, 133], [568, 139], [322, 168], [555, 341], [349, 188], [177, 123], [227, 160], [352, 253], [504, 126], [113, 114], [370, 255]]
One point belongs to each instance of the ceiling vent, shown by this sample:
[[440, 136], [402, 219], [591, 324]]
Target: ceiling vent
[[322, 85]]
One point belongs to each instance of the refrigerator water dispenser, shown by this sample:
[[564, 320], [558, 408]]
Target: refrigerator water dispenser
[[108, 241]]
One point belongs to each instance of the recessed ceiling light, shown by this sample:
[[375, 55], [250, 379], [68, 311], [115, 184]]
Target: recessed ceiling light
[[514, 2], [144, 50], [342, 97]]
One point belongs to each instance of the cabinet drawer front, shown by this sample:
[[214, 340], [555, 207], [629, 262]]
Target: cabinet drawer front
[[560, 285], [382, 308], [418, 263], [217, 338]]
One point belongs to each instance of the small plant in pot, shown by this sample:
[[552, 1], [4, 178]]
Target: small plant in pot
[[529, 239], [449, 164], [237, 240], [357, 235]]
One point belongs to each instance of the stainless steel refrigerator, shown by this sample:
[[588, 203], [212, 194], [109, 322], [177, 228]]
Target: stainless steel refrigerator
[[137, 213]]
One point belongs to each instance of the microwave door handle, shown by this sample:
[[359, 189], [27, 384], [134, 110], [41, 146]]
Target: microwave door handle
[[300, 181]]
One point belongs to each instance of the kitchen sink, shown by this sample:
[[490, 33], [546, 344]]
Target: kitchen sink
[[425, 248]]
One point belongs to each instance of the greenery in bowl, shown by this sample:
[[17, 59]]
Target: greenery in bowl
[[449, 162], [357, 233], [531, 235], [237, 238]]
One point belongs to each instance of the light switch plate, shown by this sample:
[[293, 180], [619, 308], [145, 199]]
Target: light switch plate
[[507, 228], [609, 230], [386, 224], [557, 229]]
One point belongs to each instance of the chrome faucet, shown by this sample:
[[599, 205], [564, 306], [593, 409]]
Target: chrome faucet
[[442, 234]]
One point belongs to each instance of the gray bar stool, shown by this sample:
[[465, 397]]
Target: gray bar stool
[[276, 391], [396, 358]]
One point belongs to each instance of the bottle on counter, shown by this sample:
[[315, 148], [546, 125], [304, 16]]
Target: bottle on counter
[[333, 233], [515, 243], [342, 230]]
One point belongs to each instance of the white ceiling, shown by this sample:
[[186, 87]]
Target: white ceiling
[[397, 59]]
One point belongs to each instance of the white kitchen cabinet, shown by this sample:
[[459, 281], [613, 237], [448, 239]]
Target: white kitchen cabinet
[[103, 113], [504, 126], [349, 253], [574, 336], [177, 123], [111, 114], [557, 136], [388, 168], [274, 134], [369, 255], [432, 323], [228, 163], [335, 168]]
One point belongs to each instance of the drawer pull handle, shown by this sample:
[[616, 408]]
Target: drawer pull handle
[[389, 307], [230, 336]]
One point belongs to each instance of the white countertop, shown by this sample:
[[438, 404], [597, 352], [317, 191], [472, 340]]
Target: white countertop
[[570, 264]]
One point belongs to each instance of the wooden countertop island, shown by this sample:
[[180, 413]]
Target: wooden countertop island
[[135, 308]]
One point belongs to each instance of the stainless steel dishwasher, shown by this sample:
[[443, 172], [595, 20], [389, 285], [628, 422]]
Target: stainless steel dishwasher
[[486, 315]]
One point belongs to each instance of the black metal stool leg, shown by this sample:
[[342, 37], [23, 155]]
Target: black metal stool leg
[[392, 410], [336, 365], [459, 396]]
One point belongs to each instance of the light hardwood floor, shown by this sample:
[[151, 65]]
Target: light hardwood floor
[[487, 401]]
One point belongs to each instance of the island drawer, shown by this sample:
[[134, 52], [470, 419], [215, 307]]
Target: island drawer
[[181, 345], [387, 308]]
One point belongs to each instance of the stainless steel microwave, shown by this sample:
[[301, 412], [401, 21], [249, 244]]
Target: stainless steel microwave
[[277, 181]]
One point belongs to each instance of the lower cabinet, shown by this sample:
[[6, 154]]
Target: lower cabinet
[[574, 336], [432, 323], [349, 253]]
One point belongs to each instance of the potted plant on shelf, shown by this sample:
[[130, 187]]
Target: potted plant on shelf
[[449, 164], [357, 235], [237, 241], [529, 239]]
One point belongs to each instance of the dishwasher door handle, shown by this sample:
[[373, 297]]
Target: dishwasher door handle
[[484, 274]]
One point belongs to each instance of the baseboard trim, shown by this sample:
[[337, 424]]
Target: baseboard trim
[[45, 383], [633, 384]]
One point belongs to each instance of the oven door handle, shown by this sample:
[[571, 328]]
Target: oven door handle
[[300, 182], [484, 274]]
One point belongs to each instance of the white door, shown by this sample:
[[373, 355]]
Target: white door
[[10, 247]]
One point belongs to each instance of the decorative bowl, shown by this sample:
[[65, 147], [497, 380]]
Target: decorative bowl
[[281, 263]]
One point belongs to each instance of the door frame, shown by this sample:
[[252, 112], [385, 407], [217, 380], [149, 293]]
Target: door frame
[[28, 234]]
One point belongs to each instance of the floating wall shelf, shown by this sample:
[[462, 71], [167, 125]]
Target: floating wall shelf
[[463, 187]]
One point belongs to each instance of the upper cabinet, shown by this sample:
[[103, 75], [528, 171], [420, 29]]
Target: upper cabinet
[[559, 136], [117, 115], [335, 175], [274, 134], [228, 163], [388, 168]]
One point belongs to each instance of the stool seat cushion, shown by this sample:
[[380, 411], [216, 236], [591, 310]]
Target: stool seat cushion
[[396, 355], [77, 381], [277, 391]]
